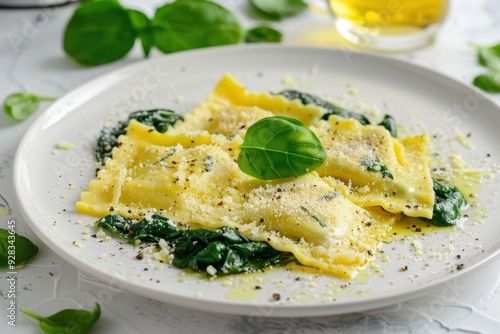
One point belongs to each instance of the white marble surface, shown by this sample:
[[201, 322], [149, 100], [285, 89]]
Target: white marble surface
[[31, 58]]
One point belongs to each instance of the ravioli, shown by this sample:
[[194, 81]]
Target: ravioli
[[348, 144], [190, 175]]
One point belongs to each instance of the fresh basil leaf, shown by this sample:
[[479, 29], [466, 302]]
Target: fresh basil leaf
[[224, 249], [161, 119], [99, 32], [489, 82], [263, 34], [15, 250], [184, 25], [330, 108], [489, 56], [447, 204], [278, 9], [390, 124], [372, 164], [278, 147], [144, 28], [22, 105], [70, 321]]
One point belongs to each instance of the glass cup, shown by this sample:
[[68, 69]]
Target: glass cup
[[389, 25]]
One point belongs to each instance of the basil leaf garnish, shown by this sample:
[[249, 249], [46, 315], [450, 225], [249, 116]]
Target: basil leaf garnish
[[488, 57], [20, 106], [263, 34], [15, 250], [184, 25], [447, 204], [278, 147], [488, 82], [99, 32], [104, 31], [71, 321], [277, 9]]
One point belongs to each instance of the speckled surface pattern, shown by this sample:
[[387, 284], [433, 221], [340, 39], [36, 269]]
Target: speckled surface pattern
[[31, 58]]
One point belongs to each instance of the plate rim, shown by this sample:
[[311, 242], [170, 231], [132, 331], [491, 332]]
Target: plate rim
[[234, 308]]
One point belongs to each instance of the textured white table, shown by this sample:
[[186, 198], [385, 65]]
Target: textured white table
[[31, 58]]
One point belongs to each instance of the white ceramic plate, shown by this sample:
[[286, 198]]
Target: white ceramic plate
[[45, 177], [33, 3]]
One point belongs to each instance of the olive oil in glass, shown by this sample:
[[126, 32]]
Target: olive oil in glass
[[389, 25]]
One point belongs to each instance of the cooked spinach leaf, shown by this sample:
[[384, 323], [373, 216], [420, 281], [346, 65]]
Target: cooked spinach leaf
[[161, 119], [154, 229], [330, 108], [278, 147], [372, 163], [225, 249], [15, 250], [70, 321], [389, 123], [447, 204], [108, 139]]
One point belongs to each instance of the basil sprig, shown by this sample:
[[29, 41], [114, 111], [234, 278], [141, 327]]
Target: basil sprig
[[161, 119], [70, 321], [22, 105], [228, 251], [389, 123], [15, 250], [278, 147], [104, 31], [488, 57], [447, 204]]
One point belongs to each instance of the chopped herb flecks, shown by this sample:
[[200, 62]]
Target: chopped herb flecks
[[373, 164], [313, 216], [330, 196]]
